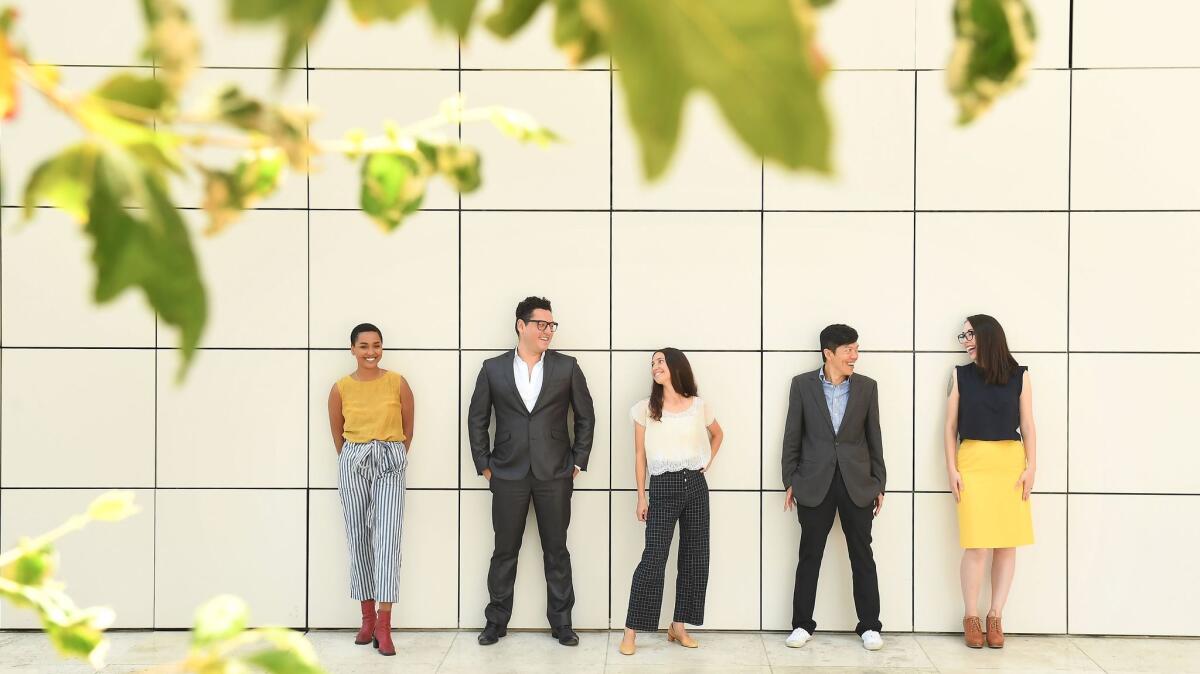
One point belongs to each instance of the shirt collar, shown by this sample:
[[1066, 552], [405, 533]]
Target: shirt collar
[[821, 376], [517, 357]]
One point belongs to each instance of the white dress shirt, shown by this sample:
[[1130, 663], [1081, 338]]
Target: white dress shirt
[[529, 382]]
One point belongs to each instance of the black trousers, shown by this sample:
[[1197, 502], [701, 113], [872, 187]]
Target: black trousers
[[678, 496], [815, 524], [510, 507]]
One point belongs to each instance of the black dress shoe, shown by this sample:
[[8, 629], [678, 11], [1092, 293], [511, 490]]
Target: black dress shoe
[[565, 635], [491, 634]]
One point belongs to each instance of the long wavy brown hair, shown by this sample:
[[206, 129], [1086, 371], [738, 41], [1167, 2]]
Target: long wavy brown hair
[[682, 380], [991, 349]]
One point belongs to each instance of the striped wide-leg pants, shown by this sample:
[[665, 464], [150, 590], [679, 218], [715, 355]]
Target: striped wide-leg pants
[[371, 486]]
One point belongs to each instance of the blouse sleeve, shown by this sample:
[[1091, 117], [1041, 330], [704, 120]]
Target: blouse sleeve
[[709, 414], [639, 412]]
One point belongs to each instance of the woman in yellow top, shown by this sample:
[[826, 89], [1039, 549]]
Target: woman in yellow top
[[991, 458], [371, 417]]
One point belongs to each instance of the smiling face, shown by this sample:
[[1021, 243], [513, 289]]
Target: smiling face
[[368, 350], [967, 339], [659, 370], [841, 361], [533, 338]]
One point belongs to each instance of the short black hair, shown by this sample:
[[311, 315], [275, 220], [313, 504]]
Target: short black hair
[[361, 328], [837, 335], [526, 307]]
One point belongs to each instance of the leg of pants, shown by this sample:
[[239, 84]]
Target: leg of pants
[[371, 481], [510, 507], [815, 523], [691, 584], [856, 525], [552, 506], [666, 499]]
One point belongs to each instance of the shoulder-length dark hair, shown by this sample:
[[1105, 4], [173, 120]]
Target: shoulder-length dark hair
[[991, 349], [682, 380]]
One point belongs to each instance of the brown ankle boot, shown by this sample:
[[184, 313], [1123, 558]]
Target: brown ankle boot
[[973, 631], [368, 623], [995, 634], [383, 633]]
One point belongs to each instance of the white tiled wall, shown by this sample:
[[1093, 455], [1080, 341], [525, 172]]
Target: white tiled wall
[[1069, 212]]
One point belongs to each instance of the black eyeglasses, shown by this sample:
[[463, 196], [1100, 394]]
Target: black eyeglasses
[[542, 325], [964, 336]]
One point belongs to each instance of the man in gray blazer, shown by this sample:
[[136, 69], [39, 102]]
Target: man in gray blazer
[[530, 389], [833, 463]]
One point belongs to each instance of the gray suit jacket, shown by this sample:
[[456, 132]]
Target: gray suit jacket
[[534, 441], [811, 449]]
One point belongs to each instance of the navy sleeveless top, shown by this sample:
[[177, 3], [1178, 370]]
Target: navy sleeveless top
[[988, 411]]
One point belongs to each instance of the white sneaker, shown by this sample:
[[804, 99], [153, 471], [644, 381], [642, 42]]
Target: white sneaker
[[797, 638], [872, 641]]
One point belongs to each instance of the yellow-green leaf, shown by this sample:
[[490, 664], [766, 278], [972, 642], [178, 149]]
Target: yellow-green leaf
[[392, 188], [511, 16], [172, 42], [149, 248], [577, 38], [453, 14], [134, 98], [368, 11], [218, 619], [521, 126], [63, 181], [994, 45], [299, 19], [113, 506], [751, 56], [32, 567]]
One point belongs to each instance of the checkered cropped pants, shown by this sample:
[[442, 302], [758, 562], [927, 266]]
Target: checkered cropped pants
[[678, 496]]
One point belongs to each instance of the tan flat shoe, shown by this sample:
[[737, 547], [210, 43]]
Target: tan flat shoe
[[627, 649], [686, 640]]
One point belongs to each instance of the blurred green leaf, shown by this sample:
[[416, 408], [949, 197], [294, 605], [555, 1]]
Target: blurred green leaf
[[33, 566], [577, 38], [367, 11], [289, 652], [172, 43], [460, 165], [521, 126], [453, 14], [285, 127], [511, 16], [993, 48], [218, 619], [148, 248], [753, 57], [63, 181], [299, 19], [112, 506], [228, 194], [392, 188], [141, 92]]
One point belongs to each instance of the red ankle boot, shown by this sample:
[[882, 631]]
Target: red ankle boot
[[368, 623], [383, 633]]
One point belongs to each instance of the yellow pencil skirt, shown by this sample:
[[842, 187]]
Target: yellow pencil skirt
[[991, 512]]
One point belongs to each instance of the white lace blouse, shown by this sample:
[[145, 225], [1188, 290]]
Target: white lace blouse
[[677, 441]]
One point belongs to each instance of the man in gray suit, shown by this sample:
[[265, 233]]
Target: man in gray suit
[[531, 389], [833, 463]]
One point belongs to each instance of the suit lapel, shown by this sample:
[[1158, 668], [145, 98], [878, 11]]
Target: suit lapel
[[818, 390], [511, 378], [851, 401], [547, 368]]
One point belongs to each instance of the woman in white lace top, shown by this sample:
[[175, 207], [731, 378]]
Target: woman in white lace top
[[676, 437]]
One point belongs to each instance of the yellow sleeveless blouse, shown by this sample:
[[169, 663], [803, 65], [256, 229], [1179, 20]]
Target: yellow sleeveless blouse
[[372, 409]]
